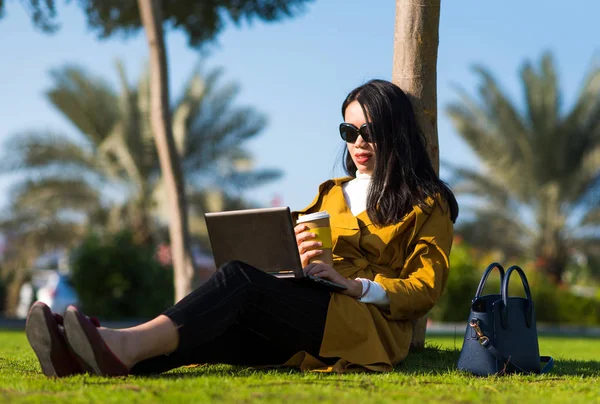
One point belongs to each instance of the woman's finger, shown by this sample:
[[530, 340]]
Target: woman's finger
[[311, 268], [317, 269], [308, 246], [311, 254], [305, 257], [304, 236], [300, 228]]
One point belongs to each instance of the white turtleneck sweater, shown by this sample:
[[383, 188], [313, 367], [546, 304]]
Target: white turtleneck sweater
[[355, 193]]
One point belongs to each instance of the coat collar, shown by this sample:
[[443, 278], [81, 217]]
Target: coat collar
[[335, 185]]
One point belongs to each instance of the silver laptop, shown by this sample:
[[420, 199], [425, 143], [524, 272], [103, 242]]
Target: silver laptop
[[263, 238]]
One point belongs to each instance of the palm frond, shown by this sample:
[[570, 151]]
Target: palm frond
[[509, 125], [27, 232], [218, 101], [240, 181], [493, 229], [481, 133], [222, 138], [210, 82], [585, 189], [122, 164], [587, 101], [50, 196], [49, 153], [186, 110], [542, 96], [592, 217], [143, 105], [483, 185], [134, 129], [87, 101]]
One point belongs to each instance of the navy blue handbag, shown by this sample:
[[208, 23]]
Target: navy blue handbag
[[501, 335]]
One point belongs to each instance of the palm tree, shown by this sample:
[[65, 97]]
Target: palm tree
[[107, 174], [60, 177], [539, 186], [210, 135]]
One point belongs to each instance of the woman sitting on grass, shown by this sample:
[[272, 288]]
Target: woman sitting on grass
[[391, 226]]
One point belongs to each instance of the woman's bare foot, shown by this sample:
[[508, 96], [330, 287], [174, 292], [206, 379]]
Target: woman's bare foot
[[119, 342], [132, 345]]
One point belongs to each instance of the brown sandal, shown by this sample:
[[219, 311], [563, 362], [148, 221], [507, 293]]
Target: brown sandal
[[49, 343], [87, 343]]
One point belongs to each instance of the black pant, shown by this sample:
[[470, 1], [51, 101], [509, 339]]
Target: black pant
[[243, 316]]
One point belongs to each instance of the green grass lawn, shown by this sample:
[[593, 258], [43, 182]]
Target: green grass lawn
[[428, 376]]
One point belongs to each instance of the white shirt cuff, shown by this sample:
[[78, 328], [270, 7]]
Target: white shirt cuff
[[375, 295]]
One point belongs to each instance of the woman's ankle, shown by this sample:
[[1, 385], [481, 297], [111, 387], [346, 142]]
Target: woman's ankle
[[131, 345], [119, 342]]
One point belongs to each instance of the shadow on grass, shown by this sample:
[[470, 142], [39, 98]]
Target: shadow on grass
[[429, 361], [437, 361], [566, 367], [219, 371]]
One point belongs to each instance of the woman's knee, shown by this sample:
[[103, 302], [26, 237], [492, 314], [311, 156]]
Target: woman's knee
[[242, 279], [239, 269]]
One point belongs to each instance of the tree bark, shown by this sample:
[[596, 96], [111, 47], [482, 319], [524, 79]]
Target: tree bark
[[416, 40], [415, 63], [151, 16]]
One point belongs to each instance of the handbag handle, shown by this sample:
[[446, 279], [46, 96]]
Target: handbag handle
[[529, 312], [487, 272]]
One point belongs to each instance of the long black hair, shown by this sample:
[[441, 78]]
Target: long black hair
[[403, 175]]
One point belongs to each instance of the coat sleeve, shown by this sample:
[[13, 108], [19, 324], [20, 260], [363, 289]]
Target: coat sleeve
[[424, 272]]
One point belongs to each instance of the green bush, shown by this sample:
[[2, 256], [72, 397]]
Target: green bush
[[455, 303], [2, 294], [116, 278], [556, 304], [553, 303]]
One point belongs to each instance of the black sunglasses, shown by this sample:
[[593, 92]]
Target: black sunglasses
[[350, 133]]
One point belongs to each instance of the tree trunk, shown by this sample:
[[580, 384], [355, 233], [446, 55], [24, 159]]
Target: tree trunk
[[414, 70], [552, 255], [151, 15], [551, 249], [415, 63]]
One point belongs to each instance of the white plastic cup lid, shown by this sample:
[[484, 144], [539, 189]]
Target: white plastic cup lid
[[313, 216]]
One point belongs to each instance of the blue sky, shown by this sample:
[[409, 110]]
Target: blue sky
[[298, 71]]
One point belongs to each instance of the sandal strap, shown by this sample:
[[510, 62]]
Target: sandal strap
[[61, 321]]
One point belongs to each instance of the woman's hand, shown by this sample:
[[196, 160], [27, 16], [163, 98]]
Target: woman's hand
[[325, 271], [307, 247]]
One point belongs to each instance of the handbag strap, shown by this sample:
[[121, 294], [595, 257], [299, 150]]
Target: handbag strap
[[484, 341], [505, 282], [549, 363], [488, 270], [488, 345], [545, 359]]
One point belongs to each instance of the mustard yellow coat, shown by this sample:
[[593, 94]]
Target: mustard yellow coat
[[409, 259]]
